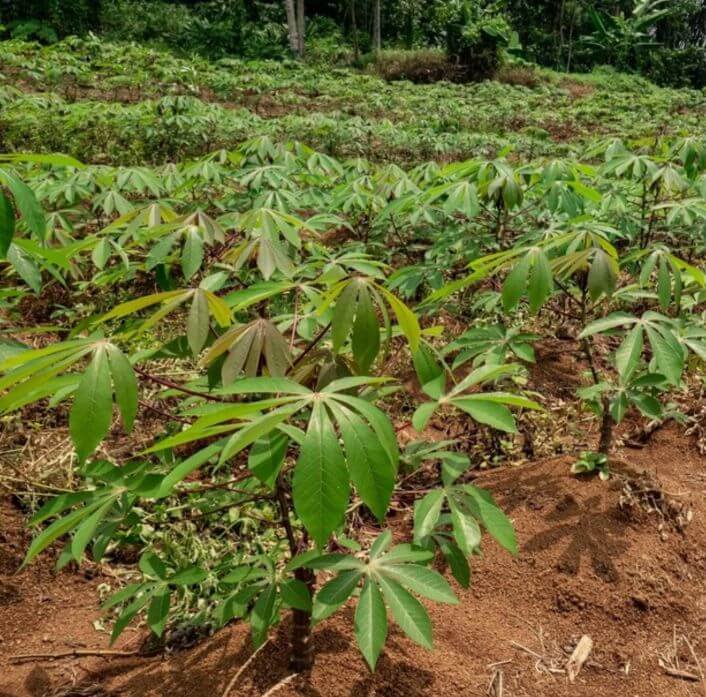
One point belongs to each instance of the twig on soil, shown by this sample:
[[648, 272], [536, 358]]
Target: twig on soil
[[243, 668], [670, 664], [698, 664], [74, 653], [683, 674], [496, 687], [547, 662], [526, 650], [280, 684]]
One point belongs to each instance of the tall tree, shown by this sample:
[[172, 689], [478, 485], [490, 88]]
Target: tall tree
[[377, 30], [301, 27], [292, 27], [354, 29]]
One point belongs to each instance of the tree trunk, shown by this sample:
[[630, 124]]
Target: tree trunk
[[606, 439], [354, 29], [301, 27], [302, 644], [292, 28], [377, 26]]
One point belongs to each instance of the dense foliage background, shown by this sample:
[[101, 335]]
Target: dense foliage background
[[663, 40]]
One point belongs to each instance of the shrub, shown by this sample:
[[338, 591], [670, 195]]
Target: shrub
[[676, 67], [518, 75], [421, 65], [475, 38]]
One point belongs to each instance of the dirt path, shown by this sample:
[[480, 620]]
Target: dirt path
[[594, 560]]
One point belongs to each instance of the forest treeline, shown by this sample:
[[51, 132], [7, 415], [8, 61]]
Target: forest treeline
[[664, 40]]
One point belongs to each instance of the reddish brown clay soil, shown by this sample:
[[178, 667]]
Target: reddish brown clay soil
[[629, 570]]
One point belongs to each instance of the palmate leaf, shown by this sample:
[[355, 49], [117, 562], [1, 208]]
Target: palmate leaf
[[420, 580], [266, 456], [263, 615], [531, 275], [667, 352], [468, 506], [322, 474], [248, 347], [389, 576], [171, 301], [355, 316], [490, 408], [33, 374]]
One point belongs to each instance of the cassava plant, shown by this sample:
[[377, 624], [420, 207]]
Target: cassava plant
[[281, 423]]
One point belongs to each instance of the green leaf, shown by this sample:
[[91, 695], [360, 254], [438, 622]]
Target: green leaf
[[406, 319], [87, 529], [320, 484], [343, 314], [7, 224], [192, 254], [158, 612], [266, 457], [492, 517], [198, 323], [330, 562], [515, 284], [25, 267], [612, 321], [426, 513], [101, 253], [541, 283], [487, 412], [263, 615], [602, 275], [371, 470], [334, 593], [151, 565], [26, 203], [431, 374], [456, 559], [664, 285], [420, 580], [188, 576], [128, 613], [627, 357], [57, 529], [382, 542], [295, 594], [124, 384], [92, 410], [255, 429], [370, 623], [422, 414], [366, 332], [667, 353], [407, 611], [465, 527]]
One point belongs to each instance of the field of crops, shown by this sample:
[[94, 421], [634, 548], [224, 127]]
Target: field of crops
[[402, 381]]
